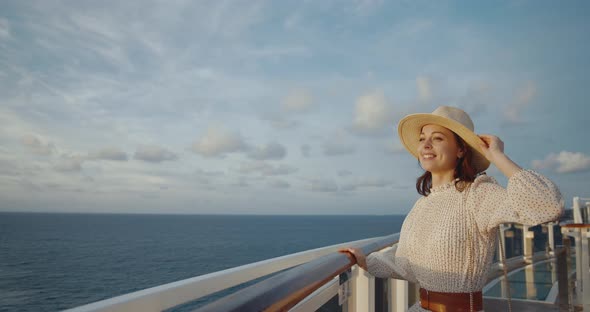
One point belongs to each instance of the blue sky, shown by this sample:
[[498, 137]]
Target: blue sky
[[276, 107]]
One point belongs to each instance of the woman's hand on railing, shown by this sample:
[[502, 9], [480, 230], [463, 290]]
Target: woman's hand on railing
[[356, 255]]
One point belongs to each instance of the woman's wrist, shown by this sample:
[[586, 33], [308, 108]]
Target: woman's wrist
[[505, 164]]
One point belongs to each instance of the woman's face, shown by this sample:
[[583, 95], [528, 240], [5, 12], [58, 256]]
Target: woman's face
[[438, 149]]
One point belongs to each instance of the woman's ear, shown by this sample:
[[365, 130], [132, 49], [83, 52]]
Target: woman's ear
[[461, 153]]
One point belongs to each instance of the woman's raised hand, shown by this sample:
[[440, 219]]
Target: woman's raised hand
[[356, 255], [491, 146], [493, 149]]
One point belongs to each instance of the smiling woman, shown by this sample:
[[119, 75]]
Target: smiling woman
[[443, 155], [448, 239]]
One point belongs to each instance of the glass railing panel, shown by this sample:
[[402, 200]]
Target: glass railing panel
[[331, 306], [381, 294]]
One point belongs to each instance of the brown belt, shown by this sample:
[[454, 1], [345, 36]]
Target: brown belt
[[450, 302]]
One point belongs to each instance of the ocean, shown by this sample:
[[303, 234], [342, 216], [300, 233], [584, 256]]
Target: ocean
[[51, 262]]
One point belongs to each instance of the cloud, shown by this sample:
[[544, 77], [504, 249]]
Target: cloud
[[365, 7], [109, 153], [18, 167], [373, 114], [334, 148], [365, 183], [154, 154], [217, 142], [522, 99], [4, 29], [68, 163], [305, 149], [272, 150], [36, 145], [206, 173], [394, 147], [564, 162], [373, 182], [241, 182], [279, 184], [265, 169], [478, 96], [424, 89], [280, 122], [205, 177], [324, 186], [344, 173], [299, 100]]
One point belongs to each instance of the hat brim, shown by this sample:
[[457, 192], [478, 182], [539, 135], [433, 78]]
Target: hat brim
[[410, 126]]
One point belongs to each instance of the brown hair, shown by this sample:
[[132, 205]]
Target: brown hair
[[464, 171]]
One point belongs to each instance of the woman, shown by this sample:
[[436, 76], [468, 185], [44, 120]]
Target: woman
[[447, 241]]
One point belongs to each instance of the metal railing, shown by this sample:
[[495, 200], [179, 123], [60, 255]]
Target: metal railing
[[284, 290], [580, 232], [312, 279], [173, 294]]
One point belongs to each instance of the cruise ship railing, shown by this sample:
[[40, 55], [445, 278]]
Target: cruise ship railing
[[285, 290], [309, 280], [580, 233], [173, 294]]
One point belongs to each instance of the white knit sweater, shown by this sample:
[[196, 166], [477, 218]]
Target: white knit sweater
[[448, 239]]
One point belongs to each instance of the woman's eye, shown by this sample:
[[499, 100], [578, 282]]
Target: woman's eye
[[421, 139], [437, 139]]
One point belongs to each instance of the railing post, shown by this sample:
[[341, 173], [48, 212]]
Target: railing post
[[527, 244], [363, 291], [398, 295], [585, 284], [551, 237], [576, 210], [580, 232], [563, 297], [502, 244]]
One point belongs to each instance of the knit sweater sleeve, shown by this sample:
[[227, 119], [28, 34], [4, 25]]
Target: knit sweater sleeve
[[386, 265], [529, 199]]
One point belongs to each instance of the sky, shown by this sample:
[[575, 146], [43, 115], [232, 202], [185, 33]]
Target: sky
[[276, 107]]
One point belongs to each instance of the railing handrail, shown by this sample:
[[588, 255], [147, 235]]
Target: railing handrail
[[286, 289], [169, 295]]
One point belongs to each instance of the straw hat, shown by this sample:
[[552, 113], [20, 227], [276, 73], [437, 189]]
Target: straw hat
[[451, 118]]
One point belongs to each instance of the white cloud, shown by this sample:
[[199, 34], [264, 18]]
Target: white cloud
[[299, 100], [424, 89], [365, 7], [217, 142], [305, 149], [67, 163], [334, 148], [394, 147], [155, 154], [4, 29], [365, 183], [241, 182], [37, 145], [265, 169], [280, 122], [272, 150], [17, 167], [109, 153], [372, 182], [325, 186], [201, 172], [373, 114], [279, 184], [564, 162], [344, 172], [522, 99]]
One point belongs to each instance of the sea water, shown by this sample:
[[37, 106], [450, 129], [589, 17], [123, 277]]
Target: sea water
[[52, 262]]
